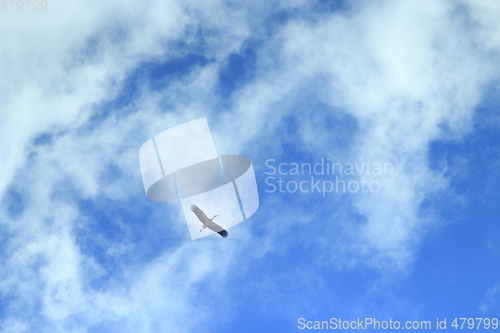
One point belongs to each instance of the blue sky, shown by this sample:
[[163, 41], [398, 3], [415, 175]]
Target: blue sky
[[84, 85]]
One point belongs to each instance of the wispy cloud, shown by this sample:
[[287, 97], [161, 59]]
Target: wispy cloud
[[490, 298]]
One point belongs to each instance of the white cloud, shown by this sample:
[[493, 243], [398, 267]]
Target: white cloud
[[49, 273], [409, 74], [490, 298]]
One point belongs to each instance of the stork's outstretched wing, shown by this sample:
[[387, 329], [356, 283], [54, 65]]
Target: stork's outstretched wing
[[199, 213], [218, 229]]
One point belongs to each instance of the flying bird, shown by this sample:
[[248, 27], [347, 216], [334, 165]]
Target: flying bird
[[208, 223]]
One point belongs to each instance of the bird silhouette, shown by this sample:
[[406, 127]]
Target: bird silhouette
[[208, 223]]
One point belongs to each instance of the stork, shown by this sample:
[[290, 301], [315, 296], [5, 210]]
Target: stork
[[208, 223]]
